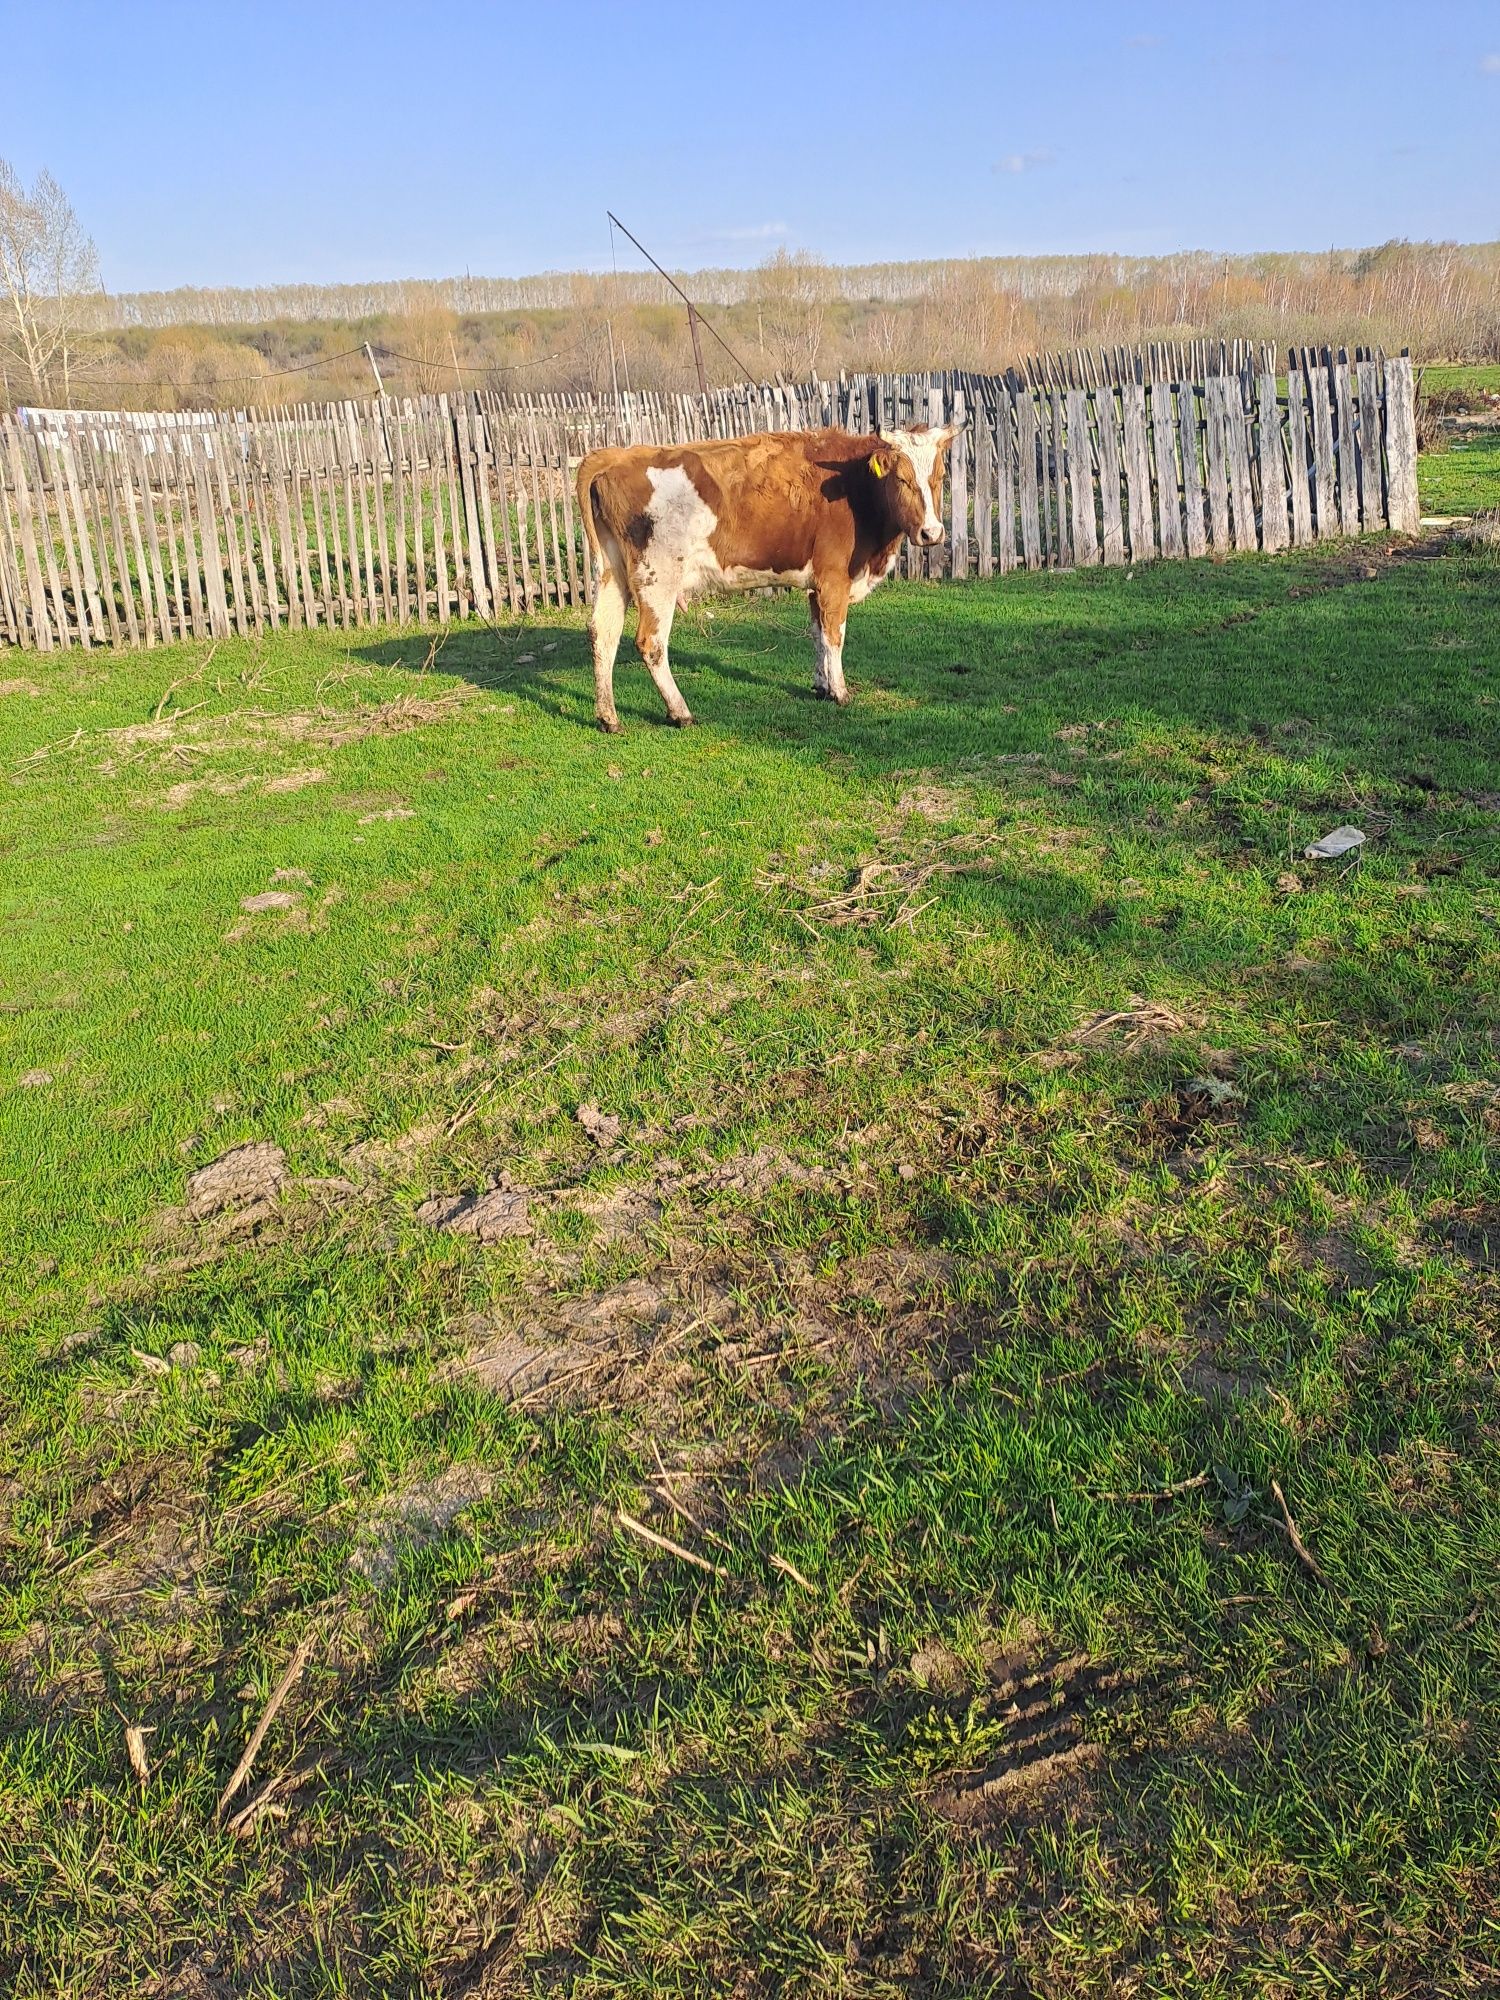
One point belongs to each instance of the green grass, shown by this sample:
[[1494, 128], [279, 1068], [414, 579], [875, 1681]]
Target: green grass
[[1011, 1122], [1440, 377], [1465, 478]]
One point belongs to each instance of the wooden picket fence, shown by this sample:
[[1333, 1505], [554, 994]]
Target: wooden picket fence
[[127, 531]]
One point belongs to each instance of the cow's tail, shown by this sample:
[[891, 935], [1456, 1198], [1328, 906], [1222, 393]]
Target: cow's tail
[[588, 472]]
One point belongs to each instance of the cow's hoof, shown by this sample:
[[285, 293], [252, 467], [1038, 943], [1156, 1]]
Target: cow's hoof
[[822, 694], [609, 728], [682, 721]]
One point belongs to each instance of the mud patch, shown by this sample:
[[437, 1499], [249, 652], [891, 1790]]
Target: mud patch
[[1053, 1713], [413, 1517], [574, 1347], [1474, 1233], [247, 1176], [490, 1215], [294, 781]]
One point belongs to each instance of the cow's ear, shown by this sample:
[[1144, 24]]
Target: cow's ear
[[879, 465], [947, 434]]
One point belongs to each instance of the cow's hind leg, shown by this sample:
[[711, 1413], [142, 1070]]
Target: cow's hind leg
[[658, 603], [605, 627]]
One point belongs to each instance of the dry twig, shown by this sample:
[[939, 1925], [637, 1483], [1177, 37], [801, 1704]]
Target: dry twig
[[1161, 1492], [135, 1750], [1305, 1555], [672, 1548], [268, 1715]]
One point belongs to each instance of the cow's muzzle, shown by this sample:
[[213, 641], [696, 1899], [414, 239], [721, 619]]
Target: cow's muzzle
[[930, 537]]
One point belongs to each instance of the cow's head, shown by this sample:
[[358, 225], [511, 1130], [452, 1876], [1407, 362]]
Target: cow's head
[[911, 465]]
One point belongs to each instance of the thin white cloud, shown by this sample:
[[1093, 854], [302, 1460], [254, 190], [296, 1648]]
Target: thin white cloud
[[1490, 64], [1023, 163], [753, 232]]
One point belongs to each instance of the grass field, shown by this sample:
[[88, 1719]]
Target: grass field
[[1463, 479], [983, 1475]]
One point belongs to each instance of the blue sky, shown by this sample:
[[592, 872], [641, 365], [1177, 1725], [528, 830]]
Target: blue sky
[[230, 143]]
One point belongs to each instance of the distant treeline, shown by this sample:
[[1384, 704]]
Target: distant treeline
[[792, 316]]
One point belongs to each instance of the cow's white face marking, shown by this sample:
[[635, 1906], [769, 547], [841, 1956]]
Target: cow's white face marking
[[921, 448]]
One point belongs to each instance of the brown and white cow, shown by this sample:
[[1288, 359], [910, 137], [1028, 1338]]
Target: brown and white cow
[[820, 511]]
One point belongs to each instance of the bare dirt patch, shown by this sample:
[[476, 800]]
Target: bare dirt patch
[[386, 1156], [574, 1349], [1474, 1233], [623, 1212], [603, 1127], [294, 781], [1050, 1710], [490, 1214], [251, 1175], [417, 1514], [1335, 1258]]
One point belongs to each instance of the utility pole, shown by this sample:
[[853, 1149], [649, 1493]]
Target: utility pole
[[697, 348], [370, 357], [694, 316]]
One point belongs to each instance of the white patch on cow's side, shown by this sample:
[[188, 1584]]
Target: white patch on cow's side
[[922, 450], [681, 524]]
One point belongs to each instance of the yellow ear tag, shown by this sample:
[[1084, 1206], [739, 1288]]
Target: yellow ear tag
[[877, 468]]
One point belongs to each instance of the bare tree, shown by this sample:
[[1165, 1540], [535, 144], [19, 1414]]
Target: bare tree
[[49, 271], [793, 298]]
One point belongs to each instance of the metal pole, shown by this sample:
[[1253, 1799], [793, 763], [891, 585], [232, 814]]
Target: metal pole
[[697, 348], [745, 372]]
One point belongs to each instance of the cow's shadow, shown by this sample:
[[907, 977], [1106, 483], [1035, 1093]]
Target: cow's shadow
[[935, 687]]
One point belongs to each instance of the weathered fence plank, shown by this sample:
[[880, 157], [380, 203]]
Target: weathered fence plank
[[1343, 395], [1399, 406], [1273, 530], [1164, 442], [1107, 410], [1081, 478], [1138, 473], [1372, 507]]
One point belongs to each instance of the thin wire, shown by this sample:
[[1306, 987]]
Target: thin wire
[[480, 368], [87, 381], [693, 309]]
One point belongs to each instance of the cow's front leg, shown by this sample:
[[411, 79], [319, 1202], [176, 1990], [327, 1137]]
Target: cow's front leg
[[829, 617]]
